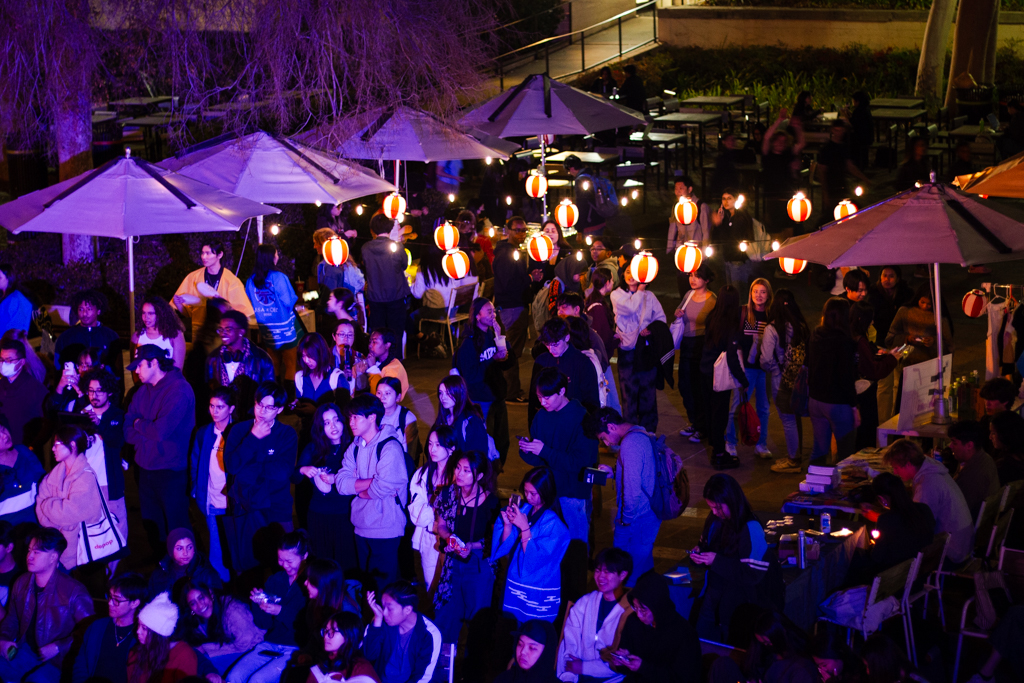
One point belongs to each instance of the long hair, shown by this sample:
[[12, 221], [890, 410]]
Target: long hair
[[73, 436], [561, 242], [599, 279], [351, 628], [265, 254], [479, 464], [167, 323], [579, 333], [542, 479], [724, 490], [835, 316], [431, 265], [191, 624], [900, 501], [477, 335], [784, 310], [723, 322], [322, 446], [314, 346], [326, 576], [457, 389], [446, 439], [151, 660], [751, 320]]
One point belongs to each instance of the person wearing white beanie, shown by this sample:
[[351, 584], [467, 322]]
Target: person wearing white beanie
[[157, 657]]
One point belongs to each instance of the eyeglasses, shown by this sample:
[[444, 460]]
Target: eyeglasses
[[329, 632], [116, 599], [97, 391], [264, 406], [517, 229]]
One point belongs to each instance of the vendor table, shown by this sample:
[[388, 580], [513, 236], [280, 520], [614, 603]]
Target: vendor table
[[896, 103], [922, 428], [855, 472]]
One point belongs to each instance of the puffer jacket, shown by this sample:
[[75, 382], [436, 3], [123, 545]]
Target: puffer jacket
[[62, 604], [65, 500]]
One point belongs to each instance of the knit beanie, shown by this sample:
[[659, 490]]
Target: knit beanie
[[160, 615], [176, 535]]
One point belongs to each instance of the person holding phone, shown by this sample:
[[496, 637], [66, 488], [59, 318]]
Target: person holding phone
[[536, 537]]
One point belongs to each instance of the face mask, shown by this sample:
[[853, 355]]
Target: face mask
[[9, 370]]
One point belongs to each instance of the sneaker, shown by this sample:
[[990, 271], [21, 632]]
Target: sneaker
[[731, 462], [719, 461], [519, 399], [787, 466], [730, 448], [696, 437], [763, 452], [686, 432]]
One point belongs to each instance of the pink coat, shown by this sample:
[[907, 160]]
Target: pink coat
[[65, 500]]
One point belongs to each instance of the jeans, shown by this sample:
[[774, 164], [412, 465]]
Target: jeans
[[216, 553], [257, 668], [27, 667], [392, 315], [516, 322], [163, 497], [791, 424], [828, 419], [472, 586], [690, 349], [378, 557], [613, 392], [758, 390], [718, 412], [639, 395], [637, 539]]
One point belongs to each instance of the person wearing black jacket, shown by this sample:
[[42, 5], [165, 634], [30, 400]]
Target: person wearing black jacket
[[732, 225], [402, 644], [871, 366], [591, 222], [511, 298], [571, 362], [657, 645], [831, 382], [887, 296], [723, 334]]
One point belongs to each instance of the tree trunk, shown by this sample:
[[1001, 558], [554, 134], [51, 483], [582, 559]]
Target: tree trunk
[[990, 51], [933, 48], [73, 139], [974, 22]]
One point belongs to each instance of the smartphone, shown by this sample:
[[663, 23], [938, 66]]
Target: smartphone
[[523, 438], [515, 500], [70, 370], [619, 658]]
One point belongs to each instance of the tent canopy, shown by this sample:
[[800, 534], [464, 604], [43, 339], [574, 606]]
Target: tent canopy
[[1002, 180]]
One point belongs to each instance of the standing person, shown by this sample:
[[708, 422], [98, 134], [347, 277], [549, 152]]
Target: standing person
[[158, 657], [259, 456], [783, 352], [598, 310], [699, 231], [273, 300], [533, 533], [635, 526], [347, 356], [723, 334], [387, 288], [103, 654], [183, 561], [570, 361], [98, 385], [89, 333], [914, 325], [559, 252], [466, 510], [205, 343], [741, 569], [831, 383], [863, 127], [605, 84], [591, 222], [755, 319], [733, 225], [976, 474], [15, 307], [44, 608], [215, 276], [635, 309], [159, 325], [331, 534], [834, 163], [511, 296], [694, 309], [455, 410], [21, 395], [872, 366], [20, 474], [158, 424], [318, 379], [209, 477], [886, 297], [398, 417], [373, 470], [402, 644], [384, 358], [603, 258], [482, 360], [632, 94], [424, 487], [780, 159], [342, 655]]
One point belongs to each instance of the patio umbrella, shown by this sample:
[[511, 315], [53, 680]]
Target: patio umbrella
[[125, 198], [1002, 180], [271, 169], [933, 223]]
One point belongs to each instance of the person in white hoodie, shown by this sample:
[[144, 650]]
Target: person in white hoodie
[[424, 486], [374, 471], [594, 622]]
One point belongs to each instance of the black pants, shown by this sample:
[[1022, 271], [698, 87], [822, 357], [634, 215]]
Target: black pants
[[163, 497], [497, 427], [378, 557], [690, 350], [639, 395], [392, 315], [516, 322], [718, 412]]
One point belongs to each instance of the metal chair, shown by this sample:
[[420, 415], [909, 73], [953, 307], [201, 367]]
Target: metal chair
[[974, 632], [456, 313], [932, 558]]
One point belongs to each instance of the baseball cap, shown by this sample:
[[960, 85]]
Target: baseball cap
[[147, 352]]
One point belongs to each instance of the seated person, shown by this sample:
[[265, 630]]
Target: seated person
[[593, 621], [384, 361], [43, 610], [402, 645], [160, 655], [9, 569], [657, 645], [342, 655], [1006, 432], [238, 362], [108, 640], [217, 625], [183, 560], [977, 475], [999, 395], [68, 389], [535, 655]]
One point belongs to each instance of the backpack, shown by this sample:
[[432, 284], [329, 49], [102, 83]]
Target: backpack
[[410, 467], [793, 396], [414, 451], [671, 492], [748, 424], [492, 450], [605, 200]]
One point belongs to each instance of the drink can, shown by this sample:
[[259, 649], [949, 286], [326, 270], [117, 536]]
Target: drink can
[[801, 550], [826, 523]]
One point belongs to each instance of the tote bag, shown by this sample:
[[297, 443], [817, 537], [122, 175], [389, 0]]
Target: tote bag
[[678, 326], [100, 540], [723, 378]]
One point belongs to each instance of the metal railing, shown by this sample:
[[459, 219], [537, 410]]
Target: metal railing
[[547, 43]]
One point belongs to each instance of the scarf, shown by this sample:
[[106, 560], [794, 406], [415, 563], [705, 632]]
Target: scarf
[[242, 357]]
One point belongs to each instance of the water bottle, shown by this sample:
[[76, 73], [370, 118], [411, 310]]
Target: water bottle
[[801, 550], [953, 403], [826, 523]]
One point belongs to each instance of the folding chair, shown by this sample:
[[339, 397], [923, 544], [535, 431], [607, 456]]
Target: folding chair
[[932, 558], [998, 581], [1010, 492], [456, 313]]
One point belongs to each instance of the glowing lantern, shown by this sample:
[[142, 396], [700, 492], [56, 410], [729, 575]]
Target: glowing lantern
[[446, 237], [394, 206], [799, 207], [336, 251], [792, 265], [567, 214], [844, 208], [974, 303], [536, 185], [644, 267], [686, 211], [539, 247], [456, 264], [688, 257]]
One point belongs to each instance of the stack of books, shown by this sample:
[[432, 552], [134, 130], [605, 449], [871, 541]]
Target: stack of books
[[820, 479]]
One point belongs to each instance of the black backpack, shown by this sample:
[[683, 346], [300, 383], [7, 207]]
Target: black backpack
[[409, 466]]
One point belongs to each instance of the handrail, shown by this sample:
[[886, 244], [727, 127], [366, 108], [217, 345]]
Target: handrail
[[617, 17], [532, 16]]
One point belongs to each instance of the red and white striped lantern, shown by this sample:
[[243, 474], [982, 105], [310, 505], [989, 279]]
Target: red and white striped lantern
[[688, 257], [685, 211], [394, 206], [446, 237], [540, 247], [336, 251], [547, 140], [844, 208], [974, 303], [644, 267], [799, 207], [792, 265], [536, 185], [456, 264], [566, 214]]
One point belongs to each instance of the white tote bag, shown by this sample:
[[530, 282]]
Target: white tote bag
[[678, 325], [723, 377]]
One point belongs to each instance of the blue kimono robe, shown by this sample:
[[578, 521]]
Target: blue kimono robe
[[533, 588]]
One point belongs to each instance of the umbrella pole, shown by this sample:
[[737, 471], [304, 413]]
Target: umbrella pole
[[940, 415], [259, 230], [131, 287], [544, 172]]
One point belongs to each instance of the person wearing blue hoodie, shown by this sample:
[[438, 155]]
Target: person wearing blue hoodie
[[273, 300], [15, 308]]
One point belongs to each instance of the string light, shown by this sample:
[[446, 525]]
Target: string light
[[623, 201], [636, 243], [859, 191], [744, 246], [490, 232], [317, 202], [740, 200], [709, 251], [488, 160], [359, 209], [508, 200], [515, 255], [394, 246], [451, 198], [579, 255], [775, 245], [635, 194], [589, 240], [274, 229], [586, 185]]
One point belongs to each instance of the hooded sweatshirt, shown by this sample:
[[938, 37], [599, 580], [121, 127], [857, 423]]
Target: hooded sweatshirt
[[567, 450], [935, 488], [382, 459], [543, 670], [160, 421], [670, 650]]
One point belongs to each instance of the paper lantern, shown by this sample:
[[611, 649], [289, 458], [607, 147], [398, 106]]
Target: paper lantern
[[336, 251], [566, 214], [456, 264], [974, 303], [540, 247], [799, 207], [394, 206], [686, 211], [844, 208], [792, 265], [688, 257], [536, 185], [644, 267], [446, 237]]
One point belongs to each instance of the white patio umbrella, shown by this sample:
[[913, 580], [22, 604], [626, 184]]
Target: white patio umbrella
[[933, 223], [126, 198], [276, 170]]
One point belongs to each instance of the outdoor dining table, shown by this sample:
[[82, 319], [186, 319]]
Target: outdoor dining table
[[588, 158], [896, 103], [723, 101], [137, 106], [692, 119], [150, 124], [664, 141], [901, 117]]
